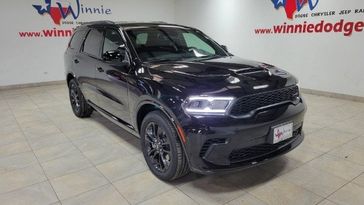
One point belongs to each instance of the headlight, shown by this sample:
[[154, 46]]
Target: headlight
[[197, 105]]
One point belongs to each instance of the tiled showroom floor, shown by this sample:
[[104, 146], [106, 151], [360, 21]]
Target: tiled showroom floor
[[48, 156]]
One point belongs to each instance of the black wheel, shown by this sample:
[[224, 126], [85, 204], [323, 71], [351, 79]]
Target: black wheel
[[79, 105], [162, 148]]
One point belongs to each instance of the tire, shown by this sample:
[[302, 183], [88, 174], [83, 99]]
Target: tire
[[78, 102], [162, 144]]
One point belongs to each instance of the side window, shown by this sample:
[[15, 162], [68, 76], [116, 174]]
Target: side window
[[77, 40], [195, 42], [113, 40], [141, 39], [93, 43]]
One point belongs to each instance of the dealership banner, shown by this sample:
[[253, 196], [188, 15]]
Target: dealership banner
[[314, 19], [35, 33], [64, 15]]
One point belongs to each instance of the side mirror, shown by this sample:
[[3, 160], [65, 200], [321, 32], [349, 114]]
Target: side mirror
[[119, 56], [225, 48], [113, 55]]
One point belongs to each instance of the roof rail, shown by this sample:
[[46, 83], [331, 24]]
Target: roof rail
[[140, 22], [97, 22], [161, 22]]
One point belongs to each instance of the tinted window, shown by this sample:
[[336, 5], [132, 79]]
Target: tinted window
[[77, 40], [141, 39], [169, 44], [93, 43], [112, 41], [193, 41]]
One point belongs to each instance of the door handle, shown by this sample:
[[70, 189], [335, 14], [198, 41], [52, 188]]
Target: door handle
[[101, 70], [76, 61]]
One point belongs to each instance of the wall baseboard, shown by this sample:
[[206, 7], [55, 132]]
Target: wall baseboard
[[333, 95], [28, 85]]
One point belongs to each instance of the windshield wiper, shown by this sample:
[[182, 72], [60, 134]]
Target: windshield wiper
[[210, 57], [181, 59], [161, 60]]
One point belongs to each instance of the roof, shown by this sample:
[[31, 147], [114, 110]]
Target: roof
[[129, 24]]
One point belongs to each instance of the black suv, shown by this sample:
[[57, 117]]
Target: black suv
[[193, 104]]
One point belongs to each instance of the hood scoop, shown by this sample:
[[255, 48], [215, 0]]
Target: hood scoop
[[249, 71], [256, 73], [245, 71], [262, 68]]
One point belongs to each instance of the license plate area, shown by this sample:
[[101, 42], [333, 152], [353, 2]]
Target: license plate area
[[281, 133]]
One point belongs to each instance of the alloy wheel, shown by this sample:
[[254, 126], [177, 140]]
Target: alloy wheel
[[158, 147], [75, 98]]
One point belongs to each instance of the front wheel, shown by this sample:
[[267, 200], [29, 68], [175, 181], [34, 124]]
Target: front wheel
[[162, 148]]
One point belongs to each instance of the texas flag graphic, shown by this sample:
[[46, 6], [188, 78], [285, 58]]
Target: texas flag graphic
[[58, 9], [291, 6]]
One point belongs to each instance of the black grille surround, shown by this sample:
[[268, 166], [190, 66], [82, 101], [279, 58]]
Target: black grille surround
[[247, 104], [246, 154], [210, 142]]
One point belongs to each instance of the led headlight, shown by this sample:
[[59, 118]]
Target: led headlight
[[197, 105]]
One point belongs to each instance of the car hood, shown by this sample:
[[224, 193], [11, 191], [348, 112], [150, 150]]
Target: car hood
[[231, 76]]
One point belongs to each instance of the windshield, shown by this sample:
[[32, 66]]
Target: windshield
[[172, 43]]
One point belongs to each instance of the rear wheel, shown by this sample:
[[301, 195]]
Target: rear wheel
[[162, 148], [78, 102]]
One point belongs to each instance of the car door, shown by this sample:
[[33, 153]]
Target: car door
[[111, 76], [86, 62], [77, 63]]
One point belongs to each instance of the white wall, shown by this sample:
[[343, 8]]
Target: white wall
[[322, 61], [326, 62], [32, 60]]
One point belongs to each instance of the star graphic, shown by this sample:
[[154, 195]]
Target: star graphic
[[44, 7], [279, 3]]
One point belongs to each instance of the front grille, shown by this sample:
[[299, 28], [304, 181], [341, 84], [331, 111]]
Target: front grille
[[252, 102], [249, 153]]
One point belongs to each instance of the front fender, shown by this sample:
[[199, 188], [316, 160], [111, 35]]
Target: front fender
[[149, 100]]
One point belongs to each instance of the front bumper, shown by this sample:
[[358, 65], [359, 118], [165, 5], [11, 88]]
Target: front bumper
[[222, 144]]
